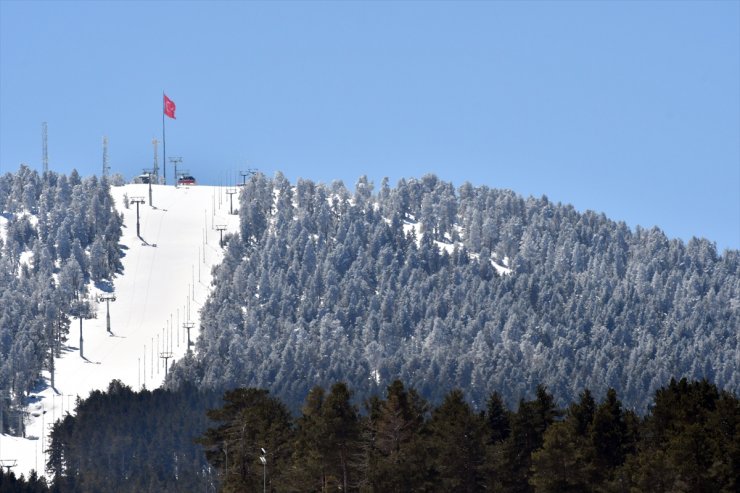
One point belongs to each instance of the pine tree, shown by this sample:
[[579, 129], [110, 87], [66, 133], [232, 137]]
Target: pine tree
[[341, 421], [250, 420], [394, 454], [456, 443]]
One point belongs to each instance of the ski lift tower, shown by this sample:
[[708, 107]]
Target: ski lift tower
[[152, 174], [107, 298], [165, 355], [221, 228], [188, 326], [247, 173], [8, 464], [137, 201], [175, 161], [231, 191]]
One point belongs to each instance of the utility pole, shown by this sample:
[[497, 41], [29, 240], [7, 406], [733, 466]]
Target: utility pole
[[80, 307], [137, 201], [188, 326], [107, 298], [221, 228], [51, 360], [263, 459], [231, 192]]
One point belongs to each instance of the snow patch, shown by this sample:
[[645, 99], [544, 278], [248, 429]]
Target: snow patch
[[3, 228], [500, 269], [376, 376], [409, 227]]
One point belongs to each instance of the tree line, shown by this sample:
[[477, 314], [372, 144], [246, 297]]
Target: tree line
[[688, 442], [162, 441]]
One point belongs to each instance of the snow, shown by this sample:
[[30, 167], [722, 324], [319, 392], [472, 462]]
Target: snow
[[26, 258], [376, 376], [165, 273], [3, 227], [500, 269], [409, 227]]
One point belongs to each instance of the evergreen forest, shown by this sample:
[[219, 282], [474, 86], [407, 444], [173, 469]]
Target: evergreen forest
[[470, 287]]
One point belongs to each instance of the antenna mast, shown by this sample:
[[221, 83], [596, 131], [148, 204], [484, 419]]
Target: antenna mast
[[155, 169], [44, 147], [106, 168]]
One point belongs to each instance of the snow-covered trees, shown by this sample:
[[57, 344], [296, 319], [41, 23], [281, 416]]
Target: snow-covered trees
[[61, 233], [471, 287]]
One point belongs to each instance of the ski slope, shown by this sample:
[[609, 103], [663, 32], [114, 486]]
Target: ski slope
[[166, 279]]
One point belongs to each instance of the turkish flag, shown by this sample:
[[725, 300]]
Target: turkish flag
[[169, 107]]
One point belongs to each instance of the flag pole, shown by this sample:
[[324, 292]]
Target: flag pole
[[164, 144]]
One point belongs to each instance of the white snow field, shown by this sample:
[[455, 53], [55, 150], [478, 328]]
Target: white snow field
[[165, 273]]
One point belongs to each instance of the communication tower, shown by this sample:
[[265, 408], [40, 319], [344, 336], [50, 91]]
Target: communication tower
[[44, 147], [106, 167], [155, 169]]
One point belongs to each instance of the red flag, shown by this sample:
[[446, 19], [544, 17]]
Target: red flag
[[169, 107]]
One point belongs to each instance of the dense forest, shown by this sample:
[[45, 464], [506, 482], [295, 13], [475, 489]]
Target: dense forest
[[123, 441], [58, 234], [470, 287]]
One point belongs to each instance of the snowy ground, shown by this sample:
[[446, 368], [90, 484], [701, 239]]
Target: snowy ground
[[165, 281]]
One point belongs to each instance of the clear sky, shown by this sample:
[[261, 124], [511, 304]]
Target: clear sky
[[626, 108]]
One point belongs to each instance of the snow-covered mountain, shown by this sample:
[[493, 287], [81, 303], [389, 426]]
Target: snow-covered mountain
[[474, 288], [166, 278]]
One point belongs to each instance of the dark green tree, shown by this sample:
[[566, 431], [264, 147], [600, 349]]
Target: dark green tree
[[342, 426], [394, 457], [609, 433], [528, 426], [562, 464], [497, 419], [250, 420], [309, 462], [457, 445]]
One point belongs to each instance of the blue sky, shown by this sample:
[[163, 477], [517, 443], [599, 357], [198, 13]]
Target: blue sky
[[626, 108]]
